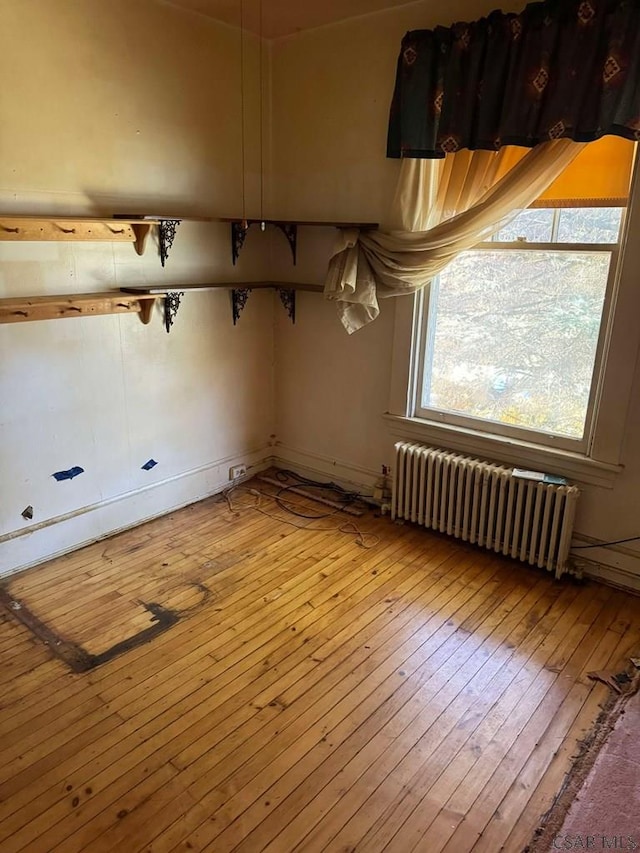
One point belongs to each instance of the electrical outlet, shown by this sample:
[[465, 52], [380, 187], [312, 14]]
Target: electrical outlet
[[237, 471]]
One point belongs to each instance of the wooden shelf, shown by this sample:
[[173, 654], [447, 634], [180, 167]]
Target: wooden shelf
[[240, 291], [160, 289], [135, 228], [22, 309], [252, 221], [140, 299], [69, 228], [240, 228]]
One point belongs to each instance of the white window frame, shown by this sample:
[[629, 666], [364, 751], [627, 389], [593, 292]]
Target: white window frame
[[495, 427], [598, 460]]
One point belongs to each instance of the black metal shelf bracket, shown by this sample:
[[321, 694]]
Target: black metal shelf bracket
[[239, 298], [240, 229], [288, 298], [171, 305], [167, 234], [290, 231]]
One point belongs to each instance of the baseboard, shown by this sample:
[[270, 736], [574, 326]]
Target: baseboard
[[613, 576], [318, 467], [614, 565], [57, 536]]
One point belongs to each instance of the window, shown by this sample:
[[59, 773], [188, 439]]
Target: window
[[512, 333]]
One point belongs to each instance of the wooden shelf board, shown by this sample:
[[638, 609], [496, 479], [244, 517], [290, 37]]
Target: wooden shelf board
[[20, 309], [254, 220], [304, 223], [222, 285], [142, 220], [66, 228]]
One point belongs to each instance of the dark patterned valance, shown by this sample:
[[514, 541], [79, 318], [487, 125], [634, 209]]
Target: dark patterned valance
[[561, 68]]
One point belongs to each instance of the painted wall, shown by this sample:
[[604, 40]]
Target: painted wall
[[134, 107], [332, 88], [131, 107], [331, 93]]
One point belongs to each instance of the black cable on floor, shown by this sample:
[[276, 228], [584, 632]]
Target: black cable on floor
[[604, 544]]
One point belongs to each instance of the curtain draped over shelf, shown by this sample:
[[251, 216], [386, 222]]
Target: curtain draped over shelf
[[557, 75], [460, 205]]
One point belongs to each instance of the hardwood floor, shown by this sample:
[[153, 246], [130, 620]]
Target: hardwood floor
[[315, 694]]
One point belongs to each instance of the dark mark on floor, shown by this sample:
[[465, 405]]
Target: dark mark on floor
[[74, 655]]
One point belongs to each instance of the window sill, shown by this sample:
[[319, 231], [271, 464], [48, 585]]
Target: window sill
[[574, 466]]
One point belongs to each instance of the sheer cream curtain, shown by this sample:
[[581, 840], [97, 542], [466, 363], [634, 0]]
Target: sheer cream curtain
[[442, 207]]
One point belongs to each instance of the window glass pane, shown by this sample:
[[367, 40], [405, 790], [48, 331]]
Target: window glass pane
[[532, 226], [589, 224], [513, 336]]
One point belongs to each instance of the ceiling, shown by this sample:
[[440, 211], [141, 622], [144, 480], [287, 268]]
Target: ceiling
[[285, 17]]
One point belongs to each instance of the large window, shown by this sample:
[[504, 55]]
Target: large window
[[513, 331]]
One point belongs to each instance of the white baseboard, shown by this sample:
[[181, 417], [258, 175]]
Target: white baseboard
[[611, 564], [315, 466], [57, 536], [614, 576], [60, 535]]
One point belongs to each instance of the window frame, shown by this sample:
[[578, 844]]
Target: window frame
[[600, 464], [425, 347]]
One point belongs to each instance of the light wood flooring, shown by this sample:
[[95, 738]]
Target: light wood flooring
[[418, 694]]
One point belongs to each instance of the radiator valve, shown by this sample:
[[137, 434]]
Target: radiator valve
[[382, 487]]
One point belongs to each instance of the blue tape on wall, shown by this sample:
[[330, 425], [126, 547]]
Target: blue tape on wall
[[149, 465], [68, 475]]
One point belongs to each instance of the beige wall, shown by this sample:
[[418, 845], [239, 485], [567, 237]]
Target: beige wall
[[122, 102], [332, 89], [133, 105], [128, 106], [331, 93]]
